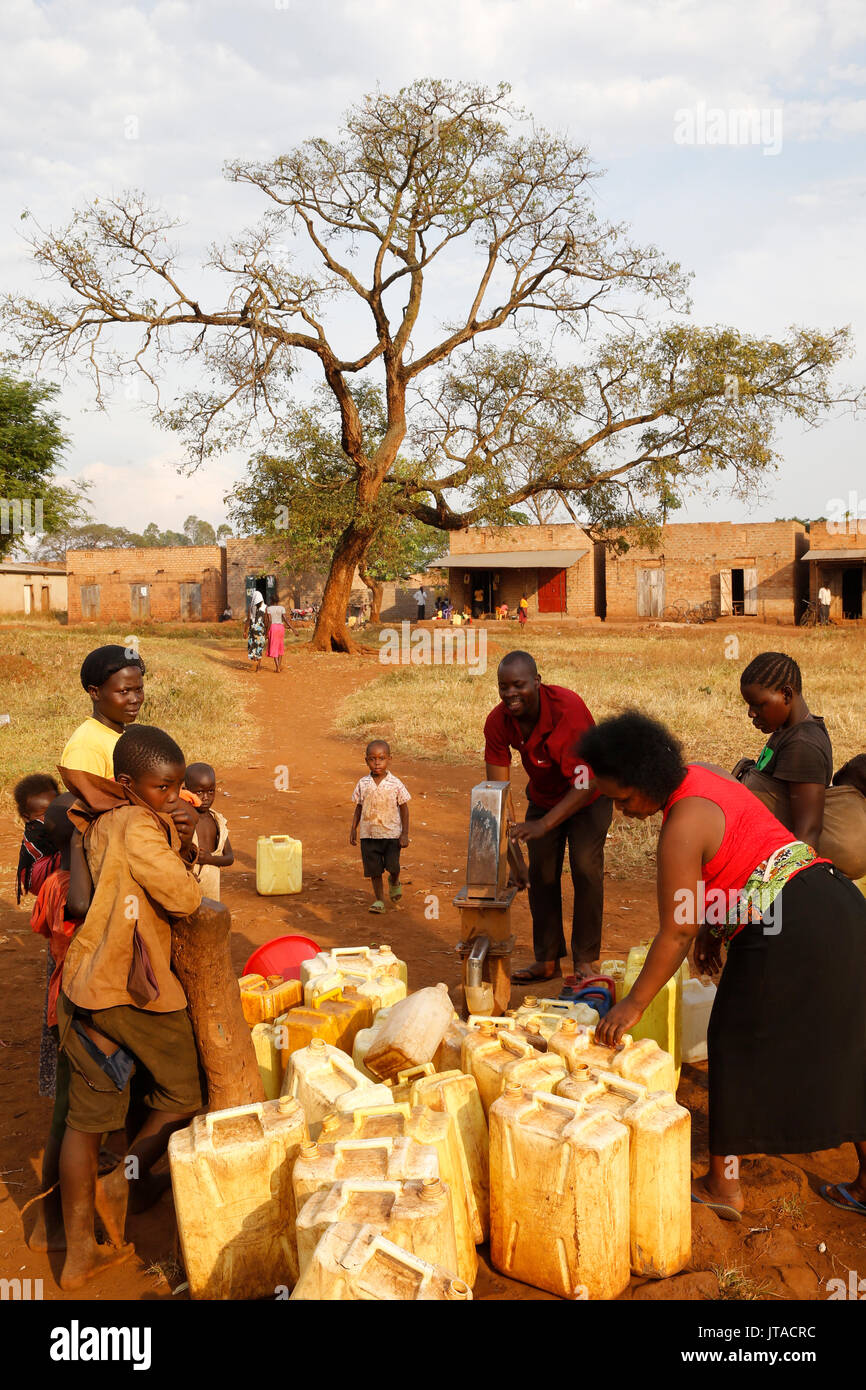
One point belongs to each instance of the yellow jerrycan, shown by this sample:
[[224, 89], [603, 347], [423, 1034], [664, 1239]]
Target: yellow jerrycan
[[364, 1037], [401, 1086], [321, 1078], [541, 1072], [266, 1038], [361, 1160], [487, 1053], [336, 1016], [366, 961], [354, 1262], [278, 865], [428, 1127], [552, 1156], [663, 1017], [615, 970], [456, 1094], [634, 1059], [414, 1215], [449, 1053], [381, 991], [233, 1197], [698, 999], [660, 1200], [412, 1032], [547, 1014], [262, 1000]]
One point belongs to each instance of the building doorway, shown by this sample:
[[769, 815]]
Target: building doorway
[[852, 593], [266, 584], [738, 593], [551, 591], [480, 592]]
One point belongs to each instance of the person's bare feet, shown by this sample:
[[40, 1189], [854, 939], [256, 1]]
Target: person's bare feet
[[727, 1191], [48, 1233], [81, 1265], [585, 970], [111, 1200]]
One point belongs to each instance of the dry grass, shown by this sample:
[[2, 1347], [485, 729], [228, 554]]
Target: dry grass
[[734, 1284], [679, 675], [187, 693]]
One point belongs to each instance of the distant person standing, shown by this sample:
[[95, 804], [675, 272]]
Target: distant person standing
[[824, 599], [421, 602], [276, 634], [523, 610]]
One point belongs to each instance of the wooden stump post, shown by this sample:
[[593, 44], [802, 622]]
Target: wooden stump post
[[201, 959]]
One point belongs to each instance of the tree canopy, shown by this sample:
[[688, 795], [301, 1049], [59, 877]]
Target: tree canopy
[[570, 369], [32, 445]]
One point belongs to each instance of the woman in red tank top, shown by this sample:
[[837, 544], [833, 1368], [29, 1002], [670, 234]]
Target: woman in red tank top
[[794, 929]]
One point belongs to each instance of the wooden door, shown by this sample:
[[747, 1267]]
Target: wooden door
[[90, 601], [725, 599], [139, 601], [650, 592], [46, 598], [190, 603], [750, 592], [551, 591]]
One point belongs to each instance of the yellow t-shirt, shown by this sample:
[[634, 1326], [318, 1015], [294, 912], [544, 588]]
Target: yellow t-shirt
[[91, 749]]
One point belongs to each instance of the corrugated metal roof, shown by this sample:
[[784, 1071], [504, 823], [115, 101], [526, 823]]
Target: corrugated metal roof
[[834, 555], [513, 559]]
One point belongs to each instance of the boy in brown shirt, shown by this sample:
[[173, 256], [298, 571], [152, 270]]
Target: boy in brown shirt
[[121, 1006]]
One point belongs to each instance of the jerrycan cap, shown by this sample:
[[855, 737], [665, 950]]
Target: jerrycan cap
[[513, 1089], [487, 1029], [531, 1000], [569, 1025], [533, 1027], [431, 1189], [285, 1104], [330, 1123], [317, 1044], [458, 1289], [309, 1149]]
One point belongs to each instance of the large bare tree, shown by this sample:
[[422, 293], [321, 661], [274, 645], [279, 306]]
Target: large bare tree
[[569, 372]]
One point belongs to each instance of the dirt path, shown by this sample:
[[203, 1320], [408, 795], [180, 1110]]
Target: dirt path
[[288, 726]]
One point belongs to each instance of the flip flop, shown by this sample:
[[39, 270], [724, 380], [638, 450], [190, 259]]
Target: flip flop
[[849, 1204], [396, 892], [377, 906], [528, 976], [720, 1208]]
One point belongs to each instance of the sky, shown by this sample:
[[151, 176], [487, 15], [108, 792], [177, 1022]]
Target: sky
[[99, 97]]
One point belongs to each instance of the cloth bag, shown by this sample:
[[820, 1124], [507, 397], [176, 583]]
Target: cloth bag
[[843, 837]]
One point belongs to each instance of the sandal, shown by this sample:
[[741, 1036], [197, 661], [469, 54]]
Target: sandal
[[395, 892], [377, 906], [848, 1203], [721, 1209], [530, 974]]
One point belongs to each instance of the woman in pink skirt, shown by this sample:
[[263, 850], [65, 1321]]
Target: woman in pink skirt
[[276, 634]]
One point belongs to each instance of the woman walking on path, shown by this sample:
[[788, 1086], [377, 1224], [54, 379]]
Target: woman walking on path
[[794, 930], [255, 631]]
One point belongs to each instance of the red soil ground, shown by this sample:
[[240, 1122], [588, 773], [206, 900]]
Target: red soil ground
[[288, 723]]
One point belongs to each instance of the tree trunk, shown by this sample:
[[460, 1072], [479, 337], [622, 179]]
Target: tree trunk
[[331, 634], [375, 587], [201, 959]]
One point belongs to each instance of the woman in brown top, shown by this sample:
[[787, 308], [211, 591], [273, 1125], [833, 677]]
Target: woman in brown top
[[797, 755]]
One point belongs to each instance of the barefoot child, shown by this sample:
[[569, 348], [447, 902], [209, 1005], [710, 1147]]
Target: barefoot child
[[211, 837], [121, 1007], [382, 815]]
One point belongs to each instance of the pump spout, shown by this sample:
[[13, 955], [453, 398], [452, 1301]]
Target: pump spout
[[479, 993]]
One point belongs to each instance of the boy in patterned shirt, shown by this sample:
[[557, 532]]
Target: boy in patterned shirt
[[382, 816]]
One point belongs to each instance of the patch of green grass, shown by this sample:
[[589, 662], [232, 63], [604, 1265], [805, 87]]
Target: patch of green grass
[[187, 692]]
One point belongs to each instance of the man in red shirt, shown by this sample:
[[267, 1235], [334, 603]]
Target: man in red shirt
[[544, 723]]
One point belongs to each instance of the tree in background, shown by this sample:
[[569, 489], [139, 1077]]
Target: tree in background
[[98, 535], [569, 369], [32, 445], [302, 499]]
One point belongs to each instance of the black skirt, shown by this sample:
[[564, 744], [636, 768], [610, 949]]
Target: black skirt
[[786, 1042]]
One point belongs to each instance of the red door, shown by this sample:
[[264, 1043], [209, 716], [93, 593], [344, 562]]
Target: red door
[[551, 591]]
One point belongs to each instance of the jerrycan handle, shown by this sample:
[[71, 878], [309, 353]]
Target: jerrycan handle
[[216, 1117], [280, 839], [385, 1141], [606, 981], [515, 1045], [328, 994], [412, 1073], [351, 951], [359, 1252]]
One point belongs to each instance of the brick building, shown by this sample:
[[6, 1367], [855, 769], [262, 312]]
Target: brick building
[[553, 565], [751, 570], [175, 584], [30, 586], [837, 558]]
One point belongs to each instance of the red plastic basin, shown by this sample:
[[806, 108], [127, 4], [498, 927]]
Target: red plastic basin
[[282, 956]]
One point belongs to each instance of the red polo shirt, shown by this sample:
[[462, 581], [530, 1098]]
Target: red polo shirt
[[548, 755]]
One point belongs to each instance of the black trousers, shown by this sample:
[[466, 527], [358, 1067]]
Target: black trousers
[[584, 833]]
